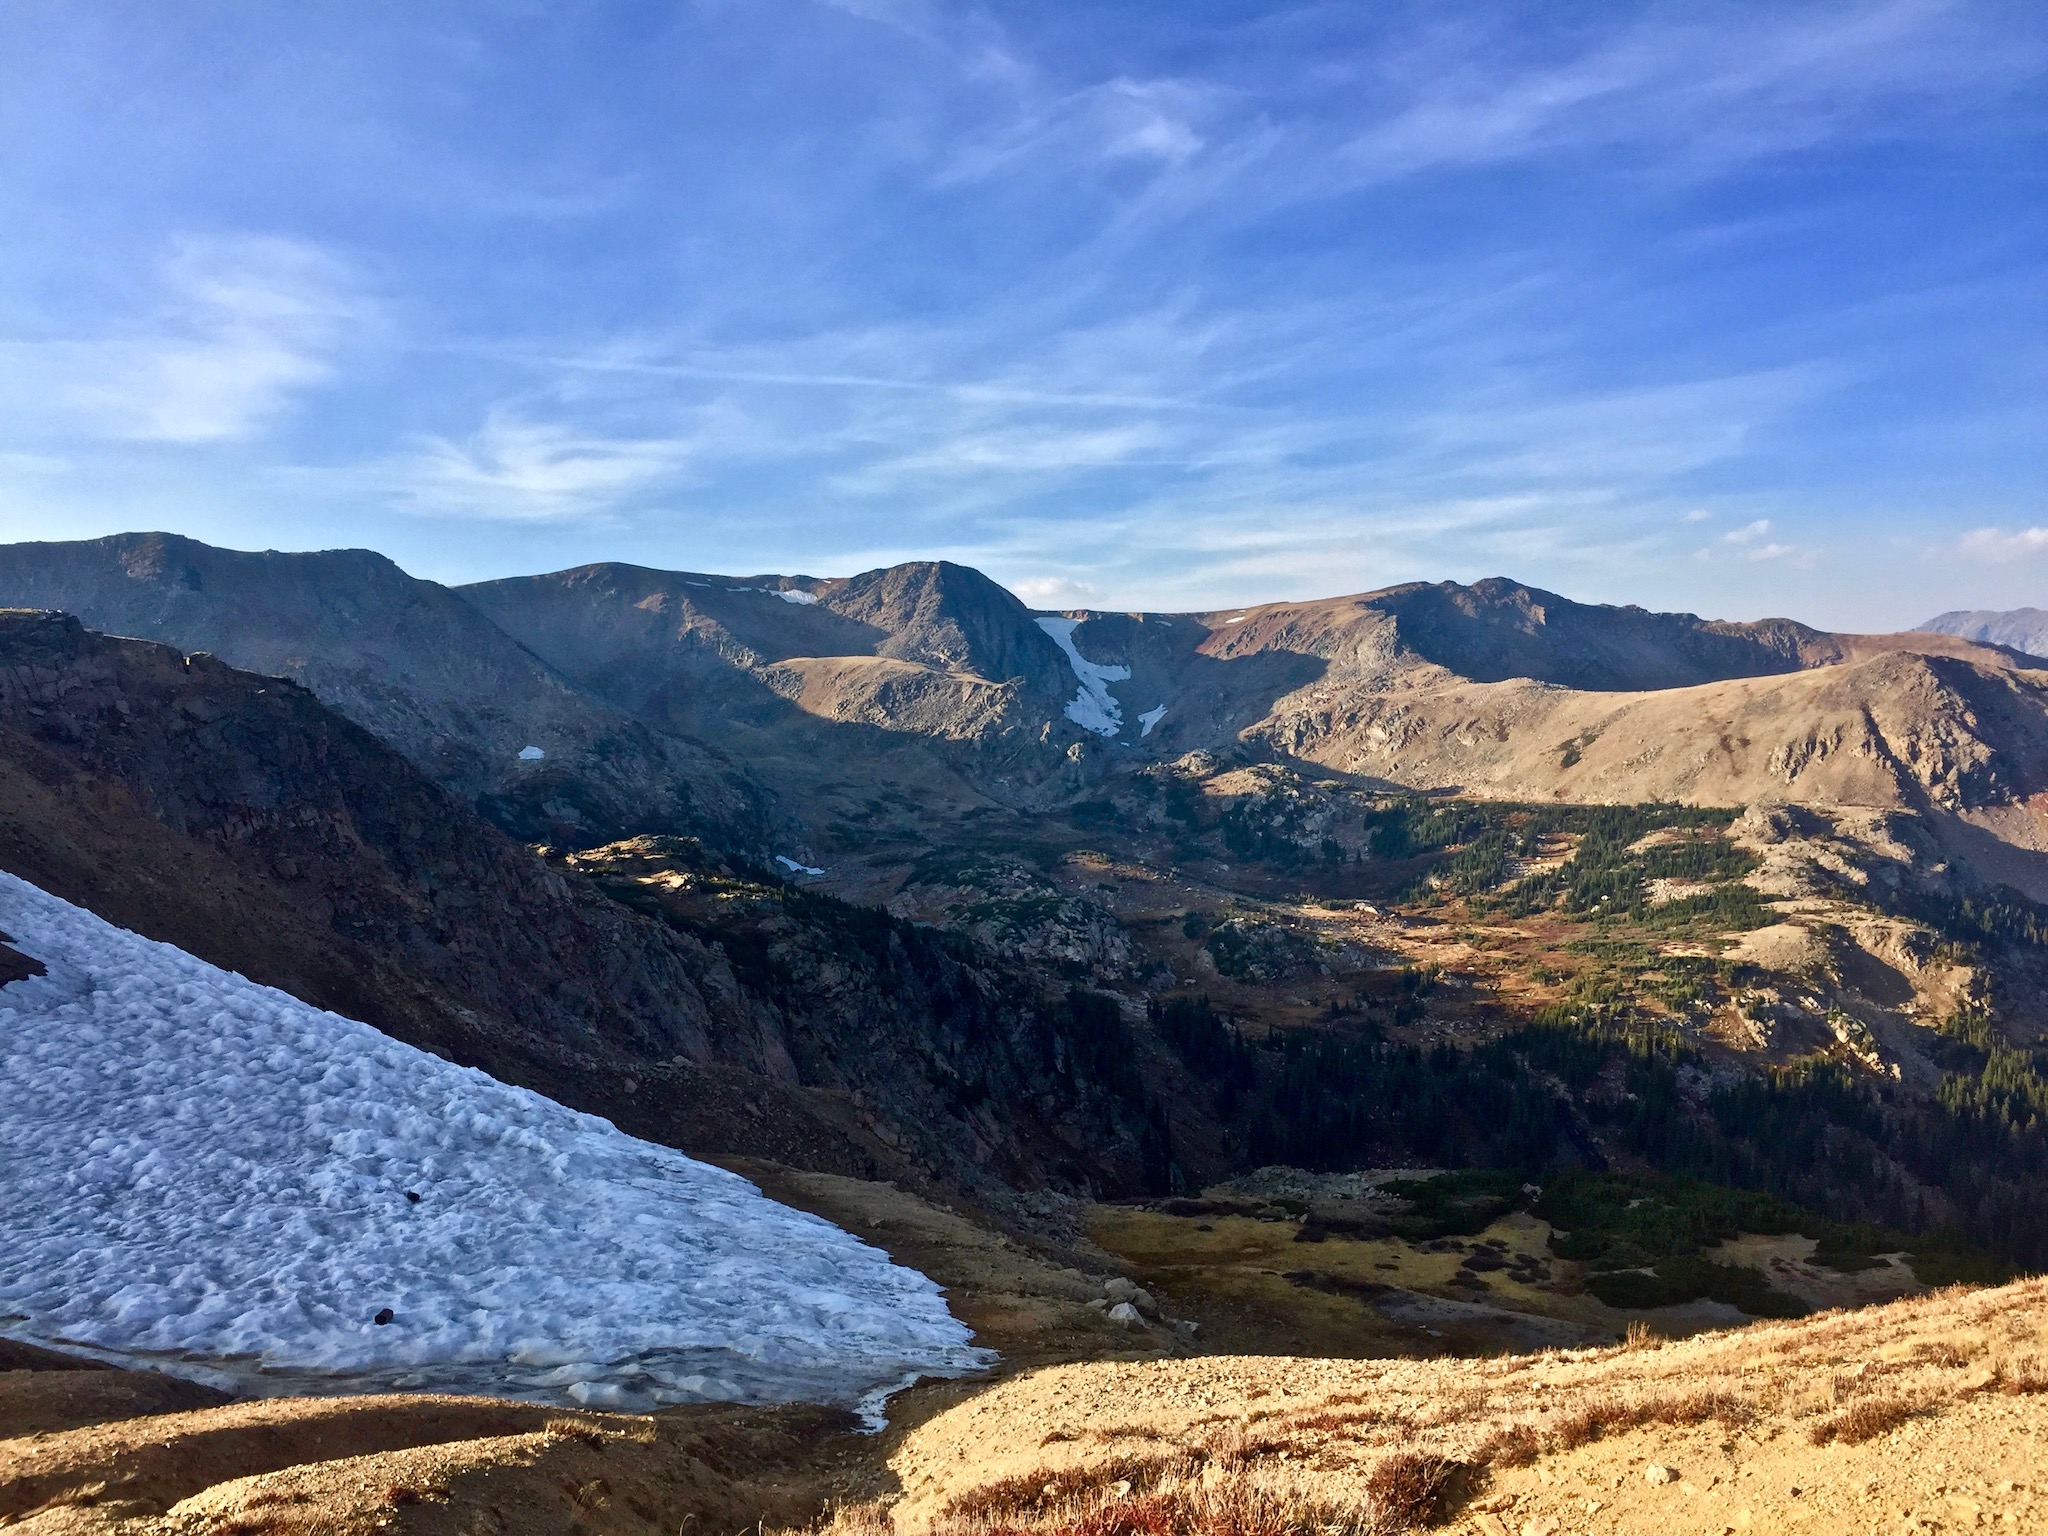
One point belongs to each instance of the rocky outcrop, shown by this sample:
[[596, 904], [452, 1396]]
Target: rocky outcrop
[[953, 618], [931, 651], [869, 703], [237, 817]]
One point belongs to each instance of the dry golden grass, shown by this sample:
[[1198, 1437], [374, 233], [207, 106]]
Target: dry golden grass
[[1520, 1444], [1942, 1352], [1331, 1421], [2023, 1377], [1197, 1494], [1408, 1489], [1031, 1497], [1269, 1446], [1865, 1419]]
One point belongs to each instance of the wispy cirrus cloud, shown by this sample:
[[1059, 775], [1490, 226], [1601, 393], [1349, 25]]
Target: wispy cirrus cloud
[[1700, 87], [1145, 454], [1173, 304], [1157, 122], [1694, 90], [237, 329], [517, 469]]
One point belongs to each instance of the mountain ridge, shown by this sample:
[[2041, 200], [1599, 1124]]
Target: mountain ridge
[[849, 698], [1315, 896], [409, 661]]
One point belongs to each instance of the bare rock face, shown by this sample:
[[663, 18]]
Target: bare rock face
[[15, 966], [570, 707], [927, 652], [953, 618]]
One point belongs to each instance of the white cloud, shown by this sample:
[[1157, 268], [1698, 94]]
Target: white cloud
[[35, 464], [1034, 449], [1055, 592], [520, 470], [1122, 119], [1997, 544], [1752, 541], [241, 327], [1149, 119], [985, 438]]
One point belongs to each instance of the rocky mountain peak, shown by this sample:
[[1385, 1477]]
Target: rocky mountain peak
[[952, 617]]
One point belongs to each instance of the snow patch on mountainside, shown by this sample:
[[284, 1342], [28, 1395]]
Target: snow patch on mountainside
[[212, 1177], [1093, 708]]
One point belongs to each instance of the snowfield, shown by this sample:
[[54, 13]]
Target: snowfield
[[1094, 708], [211, 1177]]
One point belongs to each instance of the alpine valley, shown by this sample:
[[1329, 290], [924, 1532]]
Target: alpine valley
[[1410, 976]]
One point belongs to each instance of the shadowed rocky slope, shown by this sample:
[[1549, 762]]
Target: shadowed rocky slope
[[238, 818], [409, 661], [1496, 629]]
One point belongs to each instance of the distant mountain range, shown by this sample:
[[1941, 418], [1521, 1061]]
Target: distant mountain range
[[2023, 629], [824, 719]]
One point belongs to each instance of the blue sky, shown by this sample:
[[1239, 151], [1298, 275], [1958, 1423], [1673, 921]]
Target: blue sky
[[1735, 308]]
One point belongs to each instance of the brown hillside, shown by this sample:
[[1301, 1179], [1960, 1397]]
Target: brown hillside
[[1925, 1414], [889, 709]]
